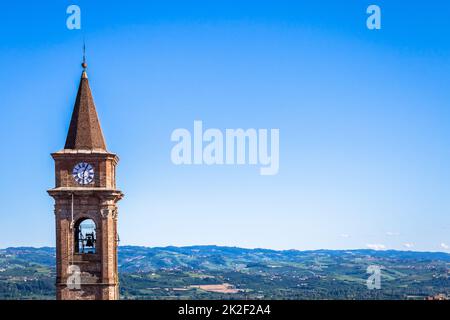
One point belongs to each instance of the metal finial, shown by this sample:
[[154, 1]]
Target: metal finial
[[84, 64]]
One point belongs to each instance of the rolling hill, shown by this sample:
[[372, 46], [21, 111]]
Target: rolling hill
[[213, 272]]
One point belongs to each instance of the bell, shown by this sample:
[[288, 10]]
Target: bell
[[90, 240]]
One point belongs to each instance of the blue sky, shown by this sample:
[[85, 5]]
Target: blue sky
[[363, 117]]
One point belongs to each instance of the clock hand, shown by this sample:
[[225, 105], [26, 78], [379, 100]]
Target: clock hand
[[84, 174]]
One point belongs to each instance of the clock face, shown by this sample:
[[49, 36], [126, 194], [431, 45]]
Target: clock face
[[83, 173]]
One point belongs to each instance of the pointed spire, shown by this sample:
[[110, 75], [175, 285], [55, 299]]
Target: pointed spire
[[84, 130]]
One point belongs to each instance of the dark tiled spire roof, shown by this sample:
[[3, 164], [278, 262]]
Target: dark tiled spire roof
[[84, 130]]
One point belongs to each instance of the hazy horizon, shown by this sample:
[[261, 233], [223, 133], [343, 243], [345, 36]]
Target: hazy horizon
[[245, 248]]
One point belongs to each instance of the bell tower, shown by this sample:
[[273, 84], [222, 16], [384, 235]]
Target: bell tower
[[86, 199]]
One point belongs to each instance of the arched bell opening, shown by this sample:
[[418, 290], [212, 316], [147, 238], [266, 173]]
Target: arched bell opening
[[85, 236]]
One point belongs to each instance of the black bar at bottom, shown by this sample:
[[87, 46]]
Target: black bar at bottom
[[229, 309]]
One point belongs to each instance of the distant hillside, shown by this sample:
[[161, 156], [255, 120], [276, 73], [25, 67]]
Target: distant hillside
[[213, 272]]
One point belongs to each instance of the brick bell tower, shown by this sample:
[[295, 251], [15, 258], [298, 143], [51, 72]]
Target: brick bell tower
[[86, 207]]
